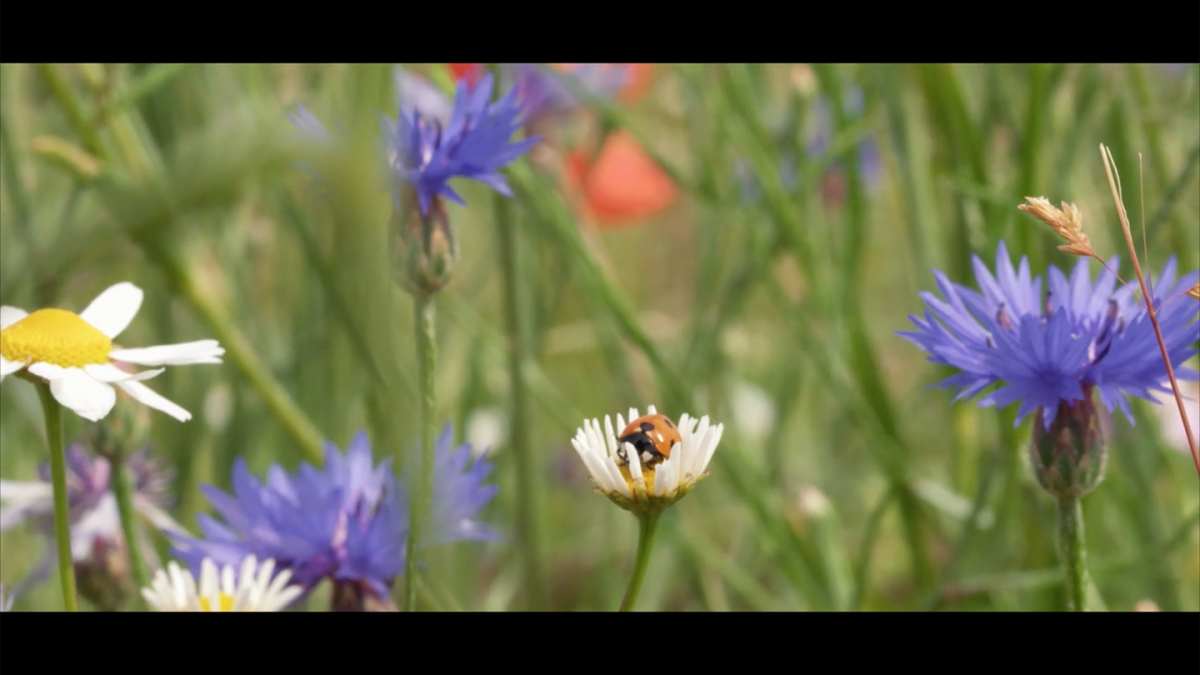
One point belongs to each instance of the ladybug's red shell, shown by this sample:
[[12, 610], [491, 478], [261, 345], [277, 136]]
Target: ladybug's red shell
[[652, 436]]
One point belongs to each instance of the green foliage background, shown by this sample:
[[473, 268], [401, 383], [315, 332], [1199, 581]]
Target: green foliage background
[[182, 179]]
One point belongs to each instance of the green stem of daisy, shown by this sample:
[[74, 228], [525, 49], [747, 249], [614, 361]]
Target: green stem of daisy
[[423, 323], [62, 509], [123, 490], [527, 475], [647, 524], [1074, 552]]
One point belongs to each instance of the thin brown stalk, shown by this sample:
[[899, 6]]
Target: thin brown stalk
[[1109, 167]]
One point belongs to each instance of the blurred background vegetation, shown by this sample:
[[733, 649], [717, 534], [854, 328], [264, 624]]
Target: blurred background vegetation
[[743, 245]]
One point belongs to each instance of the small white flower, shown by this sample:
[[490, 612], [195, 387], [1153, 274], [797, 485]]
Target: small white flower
[[634, 486], [253, 591], [75, 353]]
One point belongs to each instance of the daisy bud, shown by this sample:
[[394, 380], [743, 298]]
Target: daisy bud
[[1068, 458]]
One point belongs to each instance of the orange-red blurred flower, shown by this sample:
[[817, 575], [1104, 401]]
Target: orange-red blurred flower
[[620, 185], [468, 71]]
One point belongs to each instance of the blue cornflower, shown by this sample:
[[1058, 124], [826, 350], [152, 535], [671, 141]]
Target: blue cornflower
[[473, 144], [544, 95], [347, 521], [1053, 350]]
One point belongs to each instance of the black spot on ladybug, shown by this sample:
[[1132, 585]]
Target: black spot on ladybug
[[672, 442], [646, 426], [669, 424]]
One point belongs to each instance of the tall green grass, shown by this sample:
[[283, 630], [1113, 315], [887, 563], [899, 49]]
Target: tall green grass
[[181, 179]]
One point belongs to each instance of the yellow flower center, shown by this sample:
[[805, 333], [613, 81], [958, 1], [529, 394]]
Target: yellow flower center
[[55, 336], [224, 603], [647, 477]]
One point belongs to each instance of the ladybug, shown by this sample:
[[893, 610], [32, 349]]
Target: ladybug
[[652, 436]]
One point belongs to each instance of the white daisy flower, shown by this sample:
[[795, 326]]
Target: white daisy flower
[[654, 480], [76, 355], [253, 591]]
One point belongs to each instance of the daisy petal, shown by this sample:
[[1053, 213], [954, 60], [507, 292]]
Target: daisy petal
[[10, 315], [89, 398], [46, 371], [201, 351], [9, 367], [107, 372], [148, 396], [113, 309]]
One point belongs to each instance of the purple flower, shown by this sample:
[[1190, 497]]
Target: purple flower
[[473, 144], [95, 522], [544, 95], [1052, 350], [347, 521]]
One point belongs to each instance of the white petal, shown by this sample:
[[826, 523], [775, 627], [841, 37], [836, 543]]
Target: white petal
[[201, 351], [90, 399], [280, 599], [590, 461], [10, 315], [209, 583], [665, 477], [228, 582], [651, 410], [113, 309], [610, 439], [157, 517], [635, 462], [155, 400], [9, 367], [46, 371], [712, 447], [615, 476], [25, 491], [107, 372]]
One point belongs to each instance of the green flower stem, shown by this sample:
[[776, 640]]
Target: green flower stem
[[646, 526], [1074, 552], [62, 510], [123, 489], [423, 324], [528, 483]]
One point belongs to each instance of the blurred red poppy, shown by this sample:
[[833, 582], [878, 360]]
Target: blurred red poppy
[[619, 186], [471, 72]]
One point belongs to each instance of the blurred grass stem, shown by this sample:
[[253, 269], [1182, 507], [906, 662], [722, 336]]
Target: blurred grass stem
[[62, 510], [646, 528], [528, 488], [123, 489], [239, 350]]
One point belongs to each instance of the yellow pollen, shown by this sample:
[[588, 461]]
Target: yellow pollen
[[647, 476], [224, 603], [55, 336]]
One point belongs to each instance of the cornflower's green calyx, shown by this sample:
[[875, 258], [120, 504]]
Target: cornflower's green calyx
[[1068, 459]]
